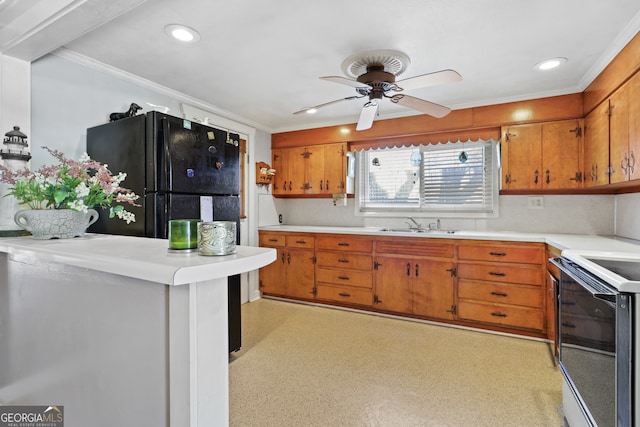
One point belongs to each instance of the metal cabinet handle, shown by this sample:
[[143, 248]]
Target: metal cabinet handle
[[343, 277], [289, 258], [548, 174], [497, 254], [535, 181], [273, 240], [624, 164], [343, 244], [493, 273], [417, 266], [344, 294], [497, 314], [344, 261], [321, 185], [632, 162], [498, 294], [301, 242], [408, 269]]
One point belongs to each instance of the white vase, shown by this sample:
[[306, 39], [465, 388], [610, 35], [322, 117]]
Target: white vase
[[46, 224]]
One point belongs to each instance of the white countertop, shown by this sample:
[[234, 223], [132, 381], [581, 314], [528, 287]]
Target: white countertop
[[560, 241], [137, 257]]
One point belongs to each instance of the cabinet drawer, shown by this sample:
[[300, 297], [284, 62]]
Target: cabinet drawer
[[344, 294], [505, 293], [361, 279], [501, 253], [300, 241], [272, 239], [344, 260], [501, 314], [501, 273], [345, 243], [440, 248]]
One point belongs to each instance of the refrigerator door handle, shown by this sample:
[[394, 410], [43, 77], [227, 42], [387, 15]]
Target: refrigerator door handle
[[168, 172]]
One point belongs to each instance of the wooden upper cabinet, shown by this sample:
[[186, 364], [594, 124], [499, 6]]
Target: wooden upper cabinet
[[596, 146], [562, 154], [624, 122], [310, 171], [289, 166], [542, 156], [522, 157]]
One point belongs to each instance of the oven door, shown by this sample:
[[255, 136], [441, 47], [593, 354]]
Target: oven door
[[595, 346]]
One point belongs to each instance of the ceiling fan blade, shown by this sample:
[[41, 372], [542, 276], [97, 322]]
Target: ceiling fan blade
[[345, 81], [348, 98], [430, 108], [367, 115], [431, 79]]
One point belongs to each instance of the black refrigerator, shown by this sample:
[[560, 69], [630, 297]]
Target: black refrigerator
[[181, 170]]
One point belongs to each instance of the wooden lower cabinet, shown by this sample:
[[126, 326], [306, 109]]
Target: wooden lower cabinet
[[485, 284], [415, 276], [344, 269], [501, 284], [292, 273]]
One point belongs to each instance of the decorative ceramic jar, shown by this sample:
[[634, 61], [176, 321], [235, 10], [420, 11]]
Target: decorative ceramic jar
[[46, 224], [216, 238]]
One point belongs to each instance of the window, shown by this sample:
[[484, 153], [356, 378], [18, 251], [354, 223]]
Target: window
[[454, 179]]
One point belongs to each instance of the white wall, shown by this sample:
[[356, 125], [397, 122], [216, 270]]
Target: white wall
[[67, 98], [561, 214], [628, 215]]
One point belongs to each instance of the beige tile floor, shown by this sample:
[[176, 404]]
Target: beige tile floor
[[304, 365]]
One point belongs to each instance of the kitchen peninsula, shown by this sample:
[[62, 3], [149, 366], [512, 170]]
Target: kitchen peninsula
[[117, 329]]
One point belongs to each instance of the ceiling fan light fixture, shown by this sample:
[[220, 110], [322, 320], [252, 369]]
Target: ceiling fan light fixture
[[311, 111], [393, 61], [550, 64], [182, 33]]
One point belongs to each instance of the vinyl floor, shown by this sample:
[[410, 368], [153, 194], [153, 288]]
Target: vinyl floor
[[305, 365]]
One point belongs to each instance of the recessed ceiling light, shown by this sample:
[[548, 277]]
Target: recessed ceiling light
[[549, 64], [182, 33]]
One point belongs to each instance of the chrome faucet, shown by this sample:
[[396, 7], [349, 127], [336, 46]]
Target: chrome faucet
[[418, 226], [437, 224]]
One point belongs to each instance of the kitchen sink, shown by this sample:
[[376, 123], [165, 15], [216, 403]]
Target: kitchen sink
[[418, 230]]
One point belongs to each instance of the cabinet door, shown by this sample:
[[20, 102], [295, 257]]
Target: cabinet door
[[561, 154], [433, 289], [522, 153], [393, 279], [596, 146], [335, 168], [289, 164], [634, 126], [273, 276], [300, 273], [314, 168], [619, 135]]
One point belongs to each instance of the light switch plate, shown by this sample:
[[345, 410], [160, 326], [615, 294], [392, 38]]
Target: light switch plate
[[535, 202]]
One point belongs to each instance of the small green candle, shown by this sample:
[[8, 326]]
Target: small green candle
[[183, 233]]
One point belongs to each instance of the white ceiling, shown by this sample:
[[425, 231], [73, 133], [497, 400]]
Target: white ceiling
[[260, 60]]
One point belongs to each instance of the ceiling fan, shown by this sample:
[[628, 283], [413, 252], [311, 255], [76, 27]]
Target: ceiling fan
[[373, 75]]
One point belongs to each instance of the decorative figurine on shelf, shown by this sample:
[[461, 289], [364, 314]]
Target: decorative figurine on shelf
[[15, 154], [133, 110]]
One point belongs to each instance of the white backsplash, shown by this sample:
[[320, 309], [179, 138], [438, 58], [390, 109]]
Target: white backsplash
[[572, 214], [628, 215]]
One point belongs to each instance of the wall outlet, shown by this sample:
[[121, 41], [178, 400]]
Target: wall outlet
[[535, 202]]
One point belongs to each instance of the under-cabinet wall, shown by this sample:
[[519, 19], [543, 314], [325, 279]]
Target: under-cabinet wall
[[574, 214]]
